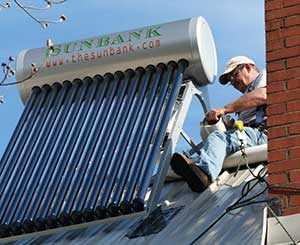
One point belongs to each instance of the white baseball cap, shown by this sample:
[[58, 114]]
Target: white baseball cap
[[231, 65]]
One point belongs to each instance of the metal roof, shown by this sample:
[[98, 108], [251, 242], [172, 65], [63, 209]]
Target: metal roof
[[194, 214], [276, 233]]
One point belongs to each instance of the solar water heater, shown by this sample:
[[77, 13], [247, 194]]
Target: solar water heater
[[100, 114]]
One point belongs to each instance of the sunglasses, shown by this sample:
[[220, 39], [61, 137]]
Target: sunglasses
[[233, 75]]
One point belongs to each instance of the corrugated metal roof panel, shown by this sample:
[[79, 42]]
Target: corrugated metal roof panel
[[198, 211]]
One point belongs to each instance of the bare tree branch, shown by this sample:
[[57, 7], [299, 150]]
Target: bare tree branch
[[28, 8], [48, 5], [10, 72], [5, 5], [6, 67], [7, 70], [43, 23]]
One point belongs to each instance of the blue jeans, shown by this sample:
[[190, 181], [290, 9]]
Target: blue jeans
[[219, 145]]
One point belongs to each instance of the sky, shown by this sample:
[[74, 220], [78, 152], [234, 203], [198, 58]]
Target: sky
[[237, 27]]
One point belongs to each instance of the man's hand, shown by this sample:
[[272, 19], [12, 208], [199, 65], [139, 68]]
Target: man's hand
[[214, 115]]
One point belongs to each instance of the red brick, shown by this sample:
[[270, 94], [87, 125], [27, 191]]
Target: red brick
[[283, 88], [281, 166], [275, 35], [277, 120], [292, 21], [283, 119], [292, 41], [293, 62], [283, 53], [284, 200], [294, 83], [271, 5], [293, 106], [282, 33], [285, 96], [277, 155], [277, 179], [276, 65], [295, 175], [292, 185], [276, 87], [295, 201], [274, 25], [277, 132], [290, 211], [282, 143], [294, 128], [274, 45], [283, 12], [291, 31], [293, 117], [287, 3], [276, 109]]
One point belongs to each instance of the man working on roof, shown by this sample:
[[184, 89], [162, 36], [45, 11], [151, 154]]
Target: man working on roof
[[244, 76]]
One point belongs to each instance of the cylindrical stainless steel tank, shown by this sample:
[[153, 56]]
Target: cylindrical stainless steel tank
[[189, 39]]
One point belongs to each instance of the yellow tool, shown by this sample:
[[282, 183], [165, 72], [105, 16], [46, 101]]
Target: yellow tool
[[239, 125]]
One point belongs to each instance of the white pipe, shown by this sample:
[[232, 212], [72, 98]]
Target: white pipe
[[255, 154]]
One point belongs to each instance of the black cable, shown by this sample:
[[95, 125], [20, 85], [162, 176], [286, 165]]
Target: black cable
[[245, 202], [248, 204], [247, 187]]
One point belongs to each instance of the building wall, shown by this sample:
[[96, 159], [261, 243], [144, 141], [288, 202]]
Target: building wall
[[282, 21]]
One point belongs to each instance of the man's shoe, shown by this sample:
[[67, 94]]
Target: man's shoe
[[195, 177]]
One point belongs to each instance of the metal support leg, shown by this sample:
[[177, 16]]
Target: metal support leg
[[184, 99]]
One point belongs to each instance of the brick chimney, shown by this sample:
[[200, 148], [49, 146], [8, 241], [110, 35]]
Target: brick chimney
[[282, 21]]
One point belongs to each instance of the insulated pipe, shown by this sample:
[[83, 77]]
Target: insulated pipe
[[82, 163], [113, 141], [33, 150], [131, 154], [255, 154], [77, 143], [61, 165], [40, 165], [57, 150], [95, 142], [152, 120], [19, 165], [124, 138], [33, 204], [20, 126], [98, 156], [150, 160]]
